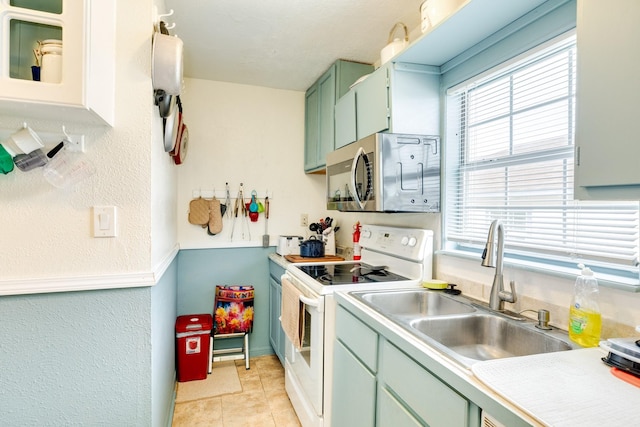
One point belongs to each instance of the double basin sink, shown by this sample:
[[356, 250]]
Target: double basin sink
[[463, 331]]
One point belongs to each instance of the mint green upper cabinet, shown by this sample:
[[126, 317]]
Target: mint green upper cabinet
[[398, 98], [372, 103], [607, 140], [320, 100], [311, 128], [345, 112]]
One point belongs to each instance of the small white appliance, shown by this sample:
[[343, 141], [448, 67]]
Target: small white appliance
[[288, 245], [392, 257]]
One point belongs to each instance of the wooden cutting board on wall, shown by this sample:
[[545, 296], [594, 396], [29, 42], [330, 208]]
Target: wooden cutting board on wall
[[327, 258]]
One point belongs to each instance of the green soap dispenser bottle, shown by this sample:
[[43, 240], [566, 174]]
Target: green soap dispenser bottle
[[585, 320]]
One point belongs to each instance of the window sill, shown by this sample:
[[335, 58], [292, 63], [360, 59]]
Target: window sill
[[605, 281]]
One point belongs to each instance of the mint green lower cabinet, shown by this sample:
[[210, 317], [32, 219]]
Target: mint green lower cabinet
[[276, 334], [393, 413], [354, 390], [377, 384], [432, 400]]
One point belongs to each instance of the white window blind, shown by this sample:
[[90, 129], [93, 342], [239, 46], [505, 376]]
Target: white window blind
[[510, 156]]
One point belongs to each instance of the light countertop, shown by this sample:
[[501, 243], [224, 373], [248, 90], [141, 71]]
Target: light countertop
[[566, 388]]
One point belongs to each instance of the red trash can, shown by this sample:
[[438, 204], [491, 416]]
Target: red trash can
[[192, 346]]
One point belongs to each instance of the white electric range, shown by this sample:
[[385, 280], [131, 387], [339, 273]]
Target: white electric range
[[392, 257]]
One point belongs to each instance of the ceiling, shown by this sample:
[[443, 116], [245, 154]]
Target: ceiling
[[283, 44]]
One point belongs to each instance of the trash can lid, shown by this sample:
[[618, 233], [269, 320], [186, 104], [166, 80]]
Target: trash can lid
[[194, 322]]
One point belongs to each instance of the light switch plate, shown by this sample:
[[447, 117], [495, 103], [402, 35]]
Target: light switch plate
[[104, 221]]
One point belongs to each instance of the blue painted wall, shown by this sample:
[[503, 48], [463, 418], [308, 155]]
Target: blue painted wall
[[89, 358], [76, 358], [200, 270], [163, 314], [72, 357]]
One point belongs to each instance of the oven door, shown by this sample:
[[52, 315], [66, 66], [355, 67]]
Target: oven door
[[305, 366]]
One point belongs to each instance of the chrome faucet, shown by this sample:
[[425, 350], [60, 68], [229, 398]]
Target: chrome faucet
[[493, 258]]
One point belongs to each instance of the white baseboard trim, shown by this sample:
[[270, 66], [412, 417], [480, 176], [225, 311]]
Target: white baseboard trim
[[88, 283]]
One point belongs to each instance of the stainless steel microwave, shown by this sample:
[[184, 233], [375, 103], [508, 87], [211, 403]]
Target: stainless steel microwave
[[385, 172]]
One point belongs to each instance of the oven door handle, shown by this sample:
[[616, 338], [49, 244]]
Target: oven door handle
[[318, 304]]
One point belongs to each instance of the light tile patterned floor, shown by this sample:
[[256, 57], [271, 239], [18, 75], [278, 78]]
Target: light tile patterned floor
[[262, 403]]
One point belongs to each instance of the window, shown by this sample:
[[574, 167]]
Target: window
[[510, 154]]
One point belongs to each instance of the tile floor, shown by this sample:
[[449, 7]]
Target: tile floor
[[263, 401]]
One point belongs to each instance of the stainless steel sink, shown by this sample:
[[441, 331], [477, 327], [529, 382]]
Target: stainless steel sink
[[487, 336], [462, 329], [413, 303]]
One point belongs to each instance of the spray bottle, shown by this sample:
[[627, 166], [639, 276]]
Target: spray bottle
[[356, 242], [585, 320]]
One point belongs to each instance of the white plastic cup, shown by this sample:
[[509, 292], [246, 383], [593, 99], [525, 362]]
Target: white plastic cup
[[24, 141]]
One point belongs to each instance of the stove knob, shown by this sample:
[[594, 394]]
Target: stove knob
[[412, 241], [366, 233], [404, 241]]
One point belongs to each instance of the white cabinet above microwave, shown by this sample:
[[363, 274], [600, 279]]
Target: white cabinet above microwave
[[85, 91]]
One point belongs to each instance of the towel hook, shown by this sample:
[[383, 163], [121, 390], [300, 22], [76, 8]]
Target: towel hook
[[162, 15], [67, 138]]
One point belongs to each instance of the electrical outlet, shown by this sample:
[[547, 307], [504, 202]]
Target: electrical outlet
[[304, 220]]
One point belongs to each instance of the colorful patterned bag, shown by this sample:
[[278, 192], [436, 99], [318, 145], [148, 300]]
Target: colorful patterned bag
[[233, 309]]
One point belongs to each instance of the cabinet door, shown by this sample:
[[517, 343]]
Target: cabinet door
[[275, 328], [311, 128], [427, 396], [393, 413], [372, 104], [327, 90], [345, 118], [354, 390], [607, 141], [81, 87]]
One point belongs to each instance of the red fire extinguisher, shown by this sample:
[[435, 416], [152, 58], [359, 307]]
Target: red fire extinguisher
[[356, 241]]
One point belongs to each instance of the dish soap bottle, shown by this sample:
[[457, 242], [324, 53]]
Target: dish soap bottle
[[585, 321]]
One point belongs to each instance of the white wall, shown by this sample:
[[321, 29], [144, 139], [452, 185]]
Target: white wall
[[251, 135], [67, 352], [47, 232]]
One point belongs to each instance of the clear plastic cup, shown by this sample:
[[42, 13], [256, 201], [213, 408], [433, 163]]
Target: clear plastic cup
[[66, 169]]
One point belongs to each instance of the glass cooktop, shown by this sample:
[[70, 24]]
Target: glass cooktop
[[341, 274]]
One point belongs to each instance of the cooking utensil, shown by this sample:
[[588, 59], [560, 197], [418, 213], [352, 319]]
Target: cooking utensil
[[312, 248], [171, 125], [245, 212], [265, 237], [182, 146], [253, 206], [165, 102], [235, 217], [227, 200], [167, 63]]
